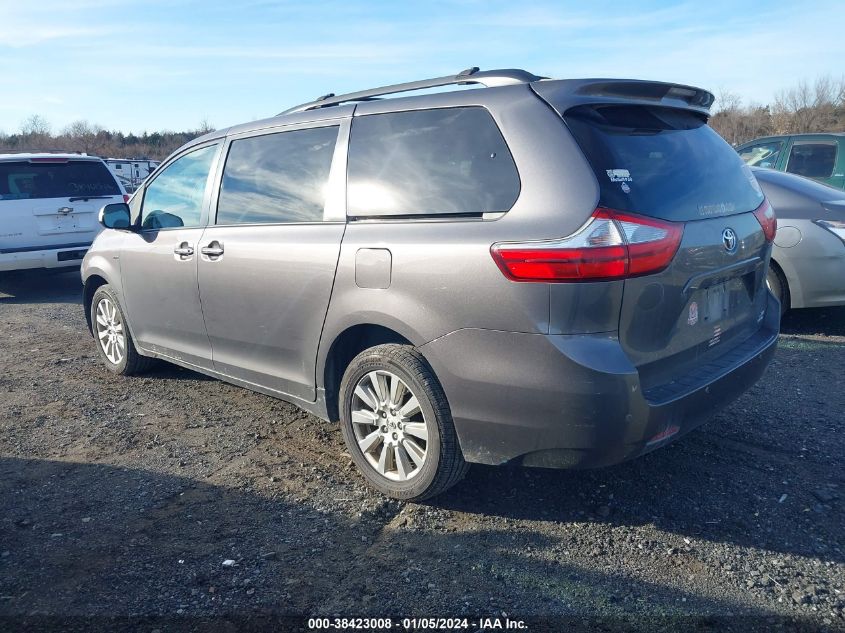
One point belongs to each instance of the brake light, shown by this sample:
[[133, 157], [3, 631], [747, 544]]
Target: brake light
[[765, 215], [664, 435], [126, 197], [611, 245], [48, 159]]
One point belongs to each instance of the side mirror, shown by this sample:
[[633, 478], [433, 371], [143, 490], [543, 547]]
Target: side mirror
[[159, 219], [115, 216]]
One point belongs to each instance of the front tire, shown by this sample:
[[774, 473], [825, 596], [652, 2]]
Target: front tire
[[397, 424], [111, 335], [776, 282]]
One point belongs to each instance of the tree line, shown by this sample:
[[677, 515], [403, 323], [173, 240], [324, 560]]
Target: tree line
[[808, 106], [36, 134]]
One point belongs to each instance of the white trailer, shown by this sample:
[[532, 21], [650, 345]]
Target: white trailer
[[131, 172]]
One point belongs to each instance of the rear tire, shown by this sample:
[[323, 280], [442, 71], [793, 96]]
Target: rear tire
[[397, 424], [112, 338], [776, 282]]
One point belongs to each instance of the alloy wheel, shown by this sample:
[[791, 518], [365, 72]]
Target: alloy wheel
[[389, 425], [110, 332]]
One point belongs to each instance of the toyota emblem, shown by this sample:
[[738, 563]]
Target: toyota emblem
[[729, 240]]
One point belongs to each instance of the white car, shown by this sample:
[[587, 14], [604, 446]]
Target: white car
[[49, 205]]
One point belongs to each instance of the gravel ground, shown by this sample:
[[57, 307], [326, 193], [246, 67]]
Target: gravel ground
[[176, 495]]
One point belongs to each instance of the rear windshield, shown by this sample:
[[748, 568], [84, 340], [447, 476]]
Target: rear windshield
[[28, 181], [662, 162]]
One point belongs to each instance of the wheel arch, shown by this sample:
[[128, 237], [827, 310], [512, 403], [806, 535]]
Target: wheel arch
[[346, 346], [93, 282], [787, 285]]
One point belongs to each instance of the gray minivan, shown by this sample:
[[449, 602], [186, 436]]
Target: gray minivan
[[561, 273]]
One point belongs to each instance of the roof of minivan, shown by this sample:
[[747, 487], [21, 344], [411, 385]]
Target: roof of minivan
[[562, 93], [30, 156], [309, 116]]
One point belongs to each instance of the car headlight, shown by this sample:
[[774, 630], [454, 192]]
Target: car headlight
[[837, 227]]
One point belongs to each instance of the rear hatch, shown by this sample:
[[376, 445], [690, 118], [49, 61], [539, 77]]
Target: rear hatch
[[665, 163], [52, 202]]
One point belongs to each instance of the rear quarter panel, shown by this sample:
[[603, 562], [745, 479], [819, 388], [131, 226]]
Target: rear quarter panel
[[443, 277], [814, 266]]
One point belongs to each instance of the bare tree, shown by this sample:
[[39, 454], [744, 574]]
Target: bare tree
[[809, 107], [35, 133], [727, 101], [737, 123], [727, 119], [35, 125], [205, 127], [757, 122], [82, 136]]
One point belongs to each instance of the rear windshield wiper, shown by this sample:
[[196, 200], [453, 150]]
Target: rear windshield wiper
[[75, 198]]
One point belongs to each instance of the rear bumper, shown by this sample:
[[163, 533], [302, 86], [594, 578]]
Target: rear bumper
[[562, 401], [68, 256]]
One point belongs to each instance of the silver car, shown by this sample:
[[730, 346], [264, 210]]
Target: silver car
[[558, 273], [807, 269]]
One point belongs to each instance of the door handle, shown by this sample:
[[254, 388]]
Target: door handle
[[184, 250], [215, 249]]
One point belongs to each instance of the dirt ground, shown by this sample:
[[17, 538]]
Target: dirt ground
[[176, 496]]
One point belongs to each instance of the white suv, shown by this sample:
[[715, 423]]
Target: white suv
[[48, 208]]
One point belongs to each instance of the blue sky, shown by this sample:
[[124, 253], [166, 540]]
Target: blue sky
[[170, 64]]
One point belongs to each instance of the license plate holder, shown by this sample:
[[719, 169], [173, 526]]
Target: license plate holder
[[67, 256], [716, 303]]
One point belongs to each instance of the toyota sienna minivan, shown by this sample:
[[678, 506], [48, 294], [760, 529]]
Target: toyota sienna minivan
[[559, 273]]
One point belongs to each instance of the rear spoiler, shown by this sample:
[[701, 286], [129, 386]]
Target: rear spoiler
[[567, 93]]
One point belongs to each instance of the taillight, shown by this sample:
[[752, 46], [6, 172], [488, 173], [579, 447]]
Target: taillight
[[126, 197], [611, 245], [766, 217]]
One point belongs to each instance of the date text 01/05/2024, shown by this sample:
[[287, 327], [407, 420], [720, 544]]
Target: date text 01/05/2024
[[417, 624]]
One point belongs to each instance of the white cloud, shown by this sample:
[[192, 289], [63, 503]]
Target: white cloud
[[601, 17], [312, 52], [24, 35], [115, 60], [32, 24], [754, 55]]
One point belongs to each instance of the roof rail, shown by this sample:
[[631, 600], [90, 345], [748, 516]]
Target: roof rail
[[30, 150], [489, 78]]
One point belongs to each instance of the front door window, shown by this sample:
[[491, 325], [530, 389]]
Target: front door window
[[174, 198]]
